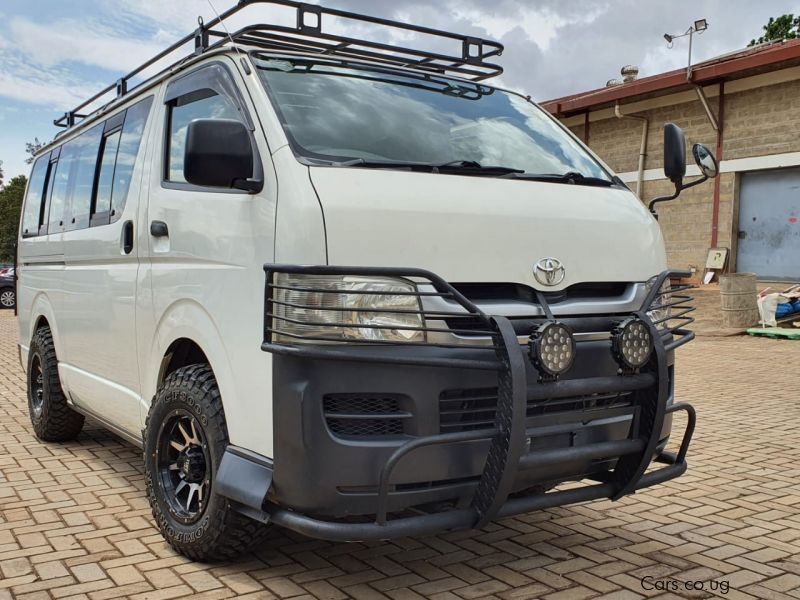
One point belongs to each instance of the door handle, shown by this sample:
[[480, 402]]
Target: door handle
[[159, 229], [127, 237]]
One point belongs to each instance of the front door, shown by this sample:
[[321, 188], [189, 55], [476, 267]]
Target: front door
[[207, 246], [769, 224]]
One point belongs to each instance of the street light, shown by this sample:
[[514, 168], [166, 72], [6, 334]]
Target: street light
[[699, 26]]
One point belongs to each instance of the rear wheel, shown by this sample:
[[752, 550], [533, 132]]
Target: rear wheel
[[52, 418], [8, 299], [185, 437]]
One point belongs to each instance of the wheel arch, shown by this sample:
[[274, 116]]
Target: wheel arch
[[185, 334], [41, 315]]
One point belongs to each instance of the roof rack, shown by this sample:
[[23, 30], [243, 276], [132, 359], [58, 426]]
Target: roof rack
[[308, 37]]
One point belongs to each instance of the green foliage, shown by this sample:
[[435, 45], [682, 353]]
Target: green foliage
[[1, 173], [32, 148], [785, 27], [10, 208]]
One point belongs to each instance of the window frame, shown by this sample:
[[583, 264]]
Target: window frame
[[218, 78]]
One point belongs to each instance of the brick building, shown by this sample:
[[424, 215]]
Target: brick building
[[745, 106]]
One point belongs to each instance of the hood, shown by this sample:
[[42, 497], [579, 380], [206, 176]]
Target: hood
[[481, 229]]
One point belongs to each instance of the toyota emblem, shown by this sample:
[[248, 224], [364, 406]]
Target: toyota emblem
[[549, 271]]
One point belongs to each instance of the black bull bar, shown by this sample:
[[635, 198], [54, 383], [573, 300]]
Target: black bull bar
[[508, 453]]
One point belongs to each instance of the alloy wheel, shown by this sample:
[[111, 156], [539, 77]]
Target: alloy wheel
[[7, 299], [184, 466], [37, 385]]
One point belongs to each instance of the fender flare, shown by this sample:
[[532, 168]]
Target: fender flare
[[187, 319]]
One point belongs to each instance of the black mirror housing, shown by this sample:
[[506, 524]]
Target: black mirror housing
[[219, 153], [674, 154]]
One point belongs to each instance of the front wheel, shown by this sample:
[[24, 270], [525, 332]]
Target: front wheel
[[184, 439]]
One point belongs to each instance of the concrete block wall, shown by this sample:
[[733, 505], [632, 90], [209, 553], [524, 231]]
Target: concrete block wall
[[757, 122]]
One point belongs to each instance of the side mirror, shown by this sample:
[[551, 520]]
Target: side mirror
[[675, 163], [219, 153], [674, 153], [705, 160]]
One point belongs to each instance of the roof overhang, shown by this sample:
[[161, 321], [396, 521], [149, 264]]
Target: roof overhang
[[747, 62]]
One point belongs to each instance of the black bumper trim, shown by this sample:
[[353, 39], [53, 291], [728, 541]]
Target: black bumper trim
[[459, 518]]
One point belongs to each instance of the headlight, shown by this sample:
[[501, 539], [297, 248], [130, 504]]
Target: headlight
[[341, 308], [660, 311]]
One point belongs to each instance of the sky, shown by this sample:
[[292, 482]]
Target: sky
[[56, 53]]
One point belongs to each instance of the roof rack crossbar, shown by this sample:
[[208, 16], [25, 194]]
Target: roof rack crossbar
[[266, 37], [308, 36]]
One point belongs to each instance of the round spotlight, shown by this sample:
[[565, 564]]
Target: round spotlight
[[552, 349], [632, 344]]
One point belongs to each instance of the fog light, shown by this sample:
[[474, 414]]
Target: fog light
[[632, 344], [552, 349]]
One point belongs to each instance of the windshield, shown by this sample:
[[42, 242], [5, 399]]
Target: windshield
[[337, 114]]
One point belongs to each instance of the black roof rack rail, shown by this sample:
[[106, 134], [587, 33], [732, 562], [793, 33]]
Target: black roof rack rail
[[308, 36]]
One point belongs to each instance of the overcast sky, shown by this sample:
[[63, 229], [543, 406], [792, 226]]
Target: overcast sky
[[55, 53]]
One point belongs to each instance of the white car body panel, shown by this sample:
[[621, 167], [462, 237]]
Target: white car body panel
[[480, 229]]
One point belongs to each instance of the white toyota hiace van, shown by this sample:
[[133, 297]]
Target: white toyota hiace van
[[347, 287]]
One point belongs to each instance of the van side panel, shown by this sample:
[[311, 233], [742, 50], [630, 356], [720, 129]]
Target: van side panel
[[99, 363]]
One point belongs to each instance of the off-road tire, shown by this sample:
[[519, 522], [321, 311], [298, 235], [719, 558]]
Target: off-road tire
[[221, 533], [55, 421]]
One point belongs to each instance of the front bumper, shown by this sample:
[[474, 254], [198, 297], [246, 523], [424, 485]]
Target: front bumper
[[460, 435]]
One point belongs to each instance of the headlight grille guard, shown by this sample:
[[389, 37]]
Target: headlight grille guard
[[673, 327], [324, 348], [507, 453]]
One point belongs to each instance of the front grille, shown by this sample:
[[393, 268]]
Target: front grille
[[470, 409], [365, 415]]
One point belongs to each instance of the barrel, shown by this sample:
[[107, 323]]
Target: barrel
[[739, 296]]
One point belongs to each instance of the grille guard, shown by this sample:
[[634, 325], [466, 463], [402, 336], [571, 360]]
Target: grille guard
[[507, 453]]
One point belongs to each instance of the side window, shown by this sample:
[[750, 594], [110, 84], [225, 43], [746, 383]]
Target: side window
[[129, 143], [34, 205], [201, 104], [105, 178], [59, 187], [118, 151], [85, 148]]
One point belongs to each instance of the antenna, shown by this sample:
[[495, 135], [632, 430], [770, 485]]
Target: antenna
[[225, 27]]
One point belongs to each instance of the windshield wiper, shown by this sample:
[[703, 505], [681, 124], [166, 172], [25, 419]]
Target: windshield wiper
[[571, 177], [467, 167]]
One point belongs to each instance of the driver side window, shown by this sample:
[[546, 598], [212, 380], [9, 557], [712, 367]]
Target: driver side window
[[201, 104]]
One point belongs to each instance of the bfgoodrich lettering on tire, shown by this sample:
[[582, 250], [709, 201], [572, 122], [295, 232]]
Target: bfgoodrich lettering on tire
[[184, 439], [52, 418]]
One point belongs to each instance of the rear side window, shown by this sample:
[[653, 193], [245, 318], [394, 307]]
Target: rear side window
[[59, 187], [86, 181], [129, 143], [33, 214], [105, 178], [202, 104], [81, 183]]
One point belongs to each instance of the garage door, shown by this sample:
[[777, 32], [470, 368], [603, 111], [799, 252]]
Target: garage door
[[769, 224]]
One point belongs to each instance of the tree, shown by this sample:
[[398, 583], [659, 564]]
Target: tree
[[32, 148], [1, 173], [785, 27], [10, 209]]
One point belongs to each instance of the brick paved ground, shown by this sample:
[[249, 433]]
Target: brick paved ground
[[74, 522]]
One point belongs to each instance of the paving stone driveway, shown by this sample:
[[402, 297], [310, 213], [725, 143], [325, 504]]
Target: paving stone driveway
[[74, 522]]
